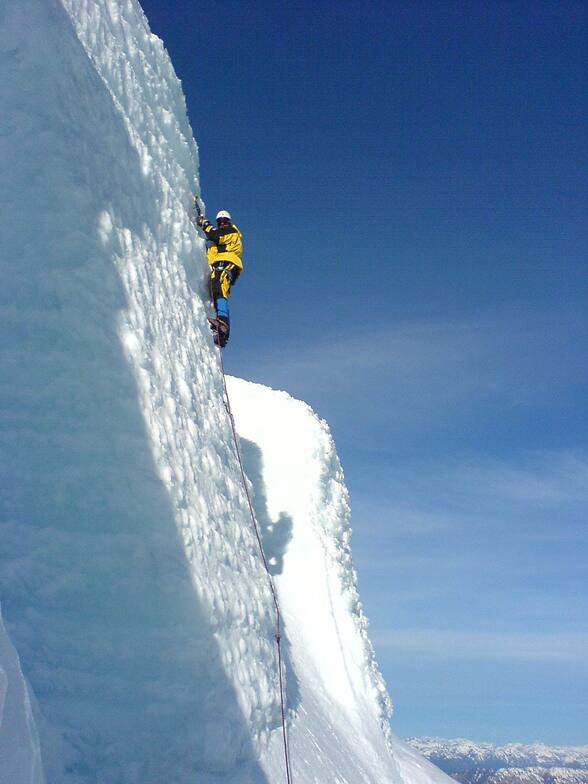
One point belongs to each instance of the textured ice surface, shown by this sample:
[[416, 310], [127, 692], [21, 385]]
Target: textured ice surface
[[130, 582], [132, 588]]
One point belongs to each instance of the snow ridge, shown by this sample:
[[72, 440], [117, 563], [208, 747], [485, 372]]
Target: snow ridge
[[302, 506]]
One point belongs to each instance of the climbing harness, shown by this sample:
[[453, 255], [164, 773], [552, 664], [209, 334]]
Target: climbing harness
[[278, 633]]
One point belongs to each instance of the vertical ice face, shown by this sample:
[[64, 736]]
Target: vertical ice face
[[130, 580]]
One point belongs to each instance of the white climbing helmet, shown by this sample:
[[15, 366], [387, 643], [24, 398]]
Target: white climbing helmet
[[223, 214]]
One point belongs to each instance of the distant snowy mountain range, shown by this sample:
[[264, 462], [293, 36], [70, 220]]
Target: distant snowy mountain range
[[515, 763]]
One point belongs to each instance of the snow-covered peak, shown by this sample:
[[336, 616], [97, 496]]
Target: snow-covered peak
[[462, 754]]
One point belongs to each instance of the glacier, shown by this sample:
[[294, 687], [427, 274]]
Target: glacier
[[137, 634]]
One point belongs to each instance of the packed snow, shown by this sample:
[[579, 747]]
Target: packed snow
[[138, 637]]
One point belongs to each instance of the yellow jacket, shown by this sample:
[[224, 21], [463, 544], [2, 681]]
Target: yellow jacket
[[227, 244]]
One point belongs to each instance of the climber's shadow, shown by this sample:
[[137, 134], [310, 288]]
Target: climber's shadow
[[276, 535]]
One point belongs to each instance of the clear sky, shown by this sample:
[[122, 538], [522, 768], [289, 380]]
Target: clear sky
[[410, 179]]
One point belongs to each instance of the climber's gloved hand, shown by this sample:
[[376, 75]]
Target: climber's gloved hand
[[201, 220]]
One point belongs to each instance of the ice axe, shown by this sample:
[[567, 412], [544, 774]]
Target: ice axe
[[197, 206]]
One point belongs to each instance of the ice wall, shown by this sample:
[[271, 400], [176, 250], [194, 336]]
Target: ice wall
[[130, 580]]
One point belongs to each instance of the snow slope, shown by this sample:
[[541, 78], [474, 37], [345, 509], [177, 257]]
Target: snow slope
[[134, 597]]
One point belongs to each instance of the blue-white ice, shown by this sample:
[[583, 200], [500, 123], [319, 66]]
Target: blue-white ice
[[133, 594]]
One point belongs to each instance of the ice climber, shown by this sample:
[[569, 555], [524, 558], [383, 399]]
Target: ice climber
[[224, 257]]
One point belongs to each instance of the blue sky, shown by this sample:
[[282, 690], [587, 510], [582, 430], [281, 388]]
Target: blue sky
[[410, 178]]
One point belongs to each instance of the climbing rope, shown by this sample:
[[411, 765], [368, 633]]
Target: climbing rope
[[278, 634]]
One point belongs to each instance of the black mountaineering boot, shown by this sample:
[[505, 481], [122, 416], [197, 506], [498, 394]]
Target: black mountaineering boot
[[220, 330]]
